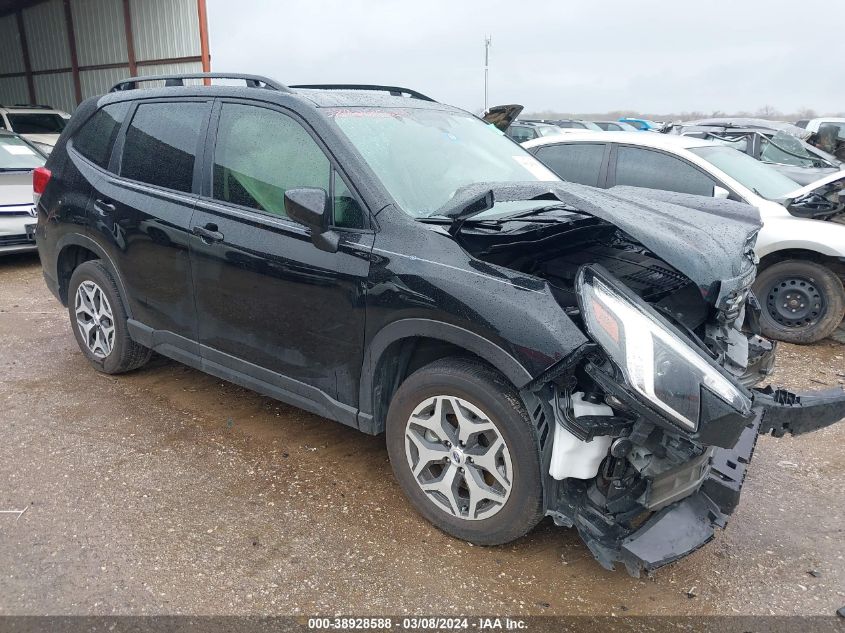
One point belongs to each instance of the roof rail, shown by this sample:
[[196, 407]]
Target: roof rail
[[31, 106], [252, 81], [396, 91]]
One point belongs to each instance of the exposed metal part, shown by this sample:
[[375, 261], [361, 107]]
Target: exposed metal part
[[458, 457]]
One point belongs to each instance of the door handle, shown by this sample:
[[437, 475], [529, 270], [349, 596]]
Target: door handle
[[102, 207], [208, 233]]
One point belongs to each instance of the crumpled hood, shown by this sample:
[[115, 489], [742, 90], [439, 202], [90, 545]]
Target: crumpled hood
[[710, 241]]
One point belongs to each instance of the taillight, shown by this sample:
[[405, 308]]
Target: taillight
[[40, 178]]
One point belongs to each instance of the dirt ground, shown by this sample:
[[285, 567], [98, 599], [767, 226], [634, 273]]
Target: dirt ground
[[169, 491]]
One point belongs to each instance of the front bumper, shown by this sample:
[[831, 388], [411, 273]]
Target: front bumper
[[681, 528], [689, 502]]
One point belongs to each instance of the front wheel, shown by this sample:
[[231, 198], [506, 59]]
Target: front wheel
[[465, 452], [802, 301]]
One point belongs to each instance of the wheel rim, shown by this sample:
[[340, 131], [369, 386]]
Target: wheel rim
[[458, 458], [795, 302], [94, 319]]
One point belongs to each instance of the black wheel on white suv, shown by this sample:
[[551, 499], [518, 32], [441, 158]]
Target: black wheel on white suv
[[802, 301], [465, 452], [98, 320]]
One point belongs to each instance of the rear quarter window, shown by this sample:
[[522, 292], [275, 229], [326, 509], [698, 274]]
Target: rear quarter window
[[95, 138], [162, 142]]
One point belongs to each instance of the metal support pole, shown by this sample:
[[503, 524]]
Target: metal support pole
[[488, 40]]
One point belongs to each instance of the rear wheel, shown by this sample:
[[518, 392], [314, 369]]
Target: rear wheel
[[98, 320], [803, 302], [465, 453]]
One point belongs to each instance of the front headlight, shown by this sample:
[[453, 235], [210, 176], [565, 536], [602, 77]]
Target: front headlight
[[659, 365]]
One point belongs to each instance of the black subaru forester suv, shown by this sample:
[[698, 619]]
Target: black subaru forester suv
[[529, 347]]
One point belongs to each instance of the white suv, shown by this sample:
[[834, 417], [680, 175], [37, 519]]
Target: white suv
[[39, 124], [801, 245]]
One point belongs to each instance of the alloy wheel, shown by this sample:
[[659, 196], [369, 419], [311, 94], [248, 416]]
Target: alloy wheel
[[94, 319], [458, 457]]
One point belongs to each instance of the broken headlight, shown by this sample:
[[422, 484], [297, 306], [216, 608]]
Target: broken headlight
[[657, 362]]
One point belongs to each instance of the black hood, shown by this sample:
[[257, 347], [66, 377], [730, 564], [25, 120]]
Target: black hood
[[710, 241]]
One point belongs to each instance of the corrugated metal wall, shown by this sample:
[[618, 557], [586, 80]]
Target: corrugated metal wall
[[13, 90], [166, 30], [11, 57], [100, 32], [55, 89], [46, 35]]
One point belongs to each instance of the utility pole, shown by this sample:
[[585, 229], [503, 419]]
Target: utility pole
[[488, 40]]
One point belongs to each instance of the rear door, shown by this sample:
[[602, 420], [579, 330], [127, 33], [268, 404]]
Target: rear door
[[274, 311], [142, 211]]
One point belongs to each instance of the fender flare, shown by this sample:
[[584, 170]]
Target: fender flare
[[811, 246], [498, 357], [76, 239]]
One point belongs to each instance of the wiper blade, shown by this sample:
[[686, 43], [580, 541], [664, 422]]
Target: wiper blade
[[455, 224], [539, 210]]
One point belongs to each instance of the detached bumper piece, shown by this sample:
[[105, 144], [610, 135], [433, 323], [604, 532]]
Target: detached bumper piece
[[786, 412], [679, 528]]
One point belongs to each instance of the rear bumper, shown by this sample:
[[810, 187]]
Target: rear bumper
[[52, 286]]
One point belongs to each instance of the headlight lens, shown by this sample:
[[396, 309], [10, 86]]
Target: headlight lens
[[658, 364]]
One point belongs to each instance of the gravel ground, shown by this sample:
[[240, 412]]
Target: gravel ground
[[169, 491]]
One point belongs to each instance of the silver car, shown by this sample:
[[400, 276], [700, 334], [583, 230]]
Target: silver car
[[17, 212]]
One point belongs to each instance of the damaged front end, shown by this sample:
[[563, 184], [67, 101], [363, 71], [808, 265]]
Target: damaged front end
[[647, 429], [652, 437]]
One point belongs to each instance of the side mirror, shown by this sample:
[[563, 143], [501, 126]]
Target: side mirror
[[309, 206], [720, 193]]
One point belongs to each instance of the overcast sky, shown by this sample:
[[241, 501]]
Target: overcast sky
[[568, 56]]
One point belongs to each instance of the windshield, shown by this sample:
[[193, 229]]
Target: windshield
[[759, 177], [547, 130], [423, 156], [591, 126], [37, 123], [15, 154], [785, 149]]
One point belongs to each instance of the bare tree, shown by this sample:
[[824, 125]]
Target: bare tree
[[768, 112]]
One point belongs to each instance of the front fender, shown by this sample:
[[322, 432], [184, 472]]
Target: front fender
[[498, 357], [818, 236]]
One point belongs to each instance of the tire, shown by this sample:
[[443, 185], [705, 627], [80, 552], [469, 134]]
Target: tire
[[811, 290], [113, 353], [476, 389]]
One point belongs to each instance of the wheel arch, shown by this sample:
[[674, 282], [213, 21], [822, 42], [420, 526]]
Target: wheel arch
[[836, 264], [74, 249], [403, 346]]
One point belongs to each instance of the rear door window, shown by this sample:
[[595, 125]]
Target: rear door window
[[575, 162], [96, 137], [260, 154], [162, 143], [654, 170]]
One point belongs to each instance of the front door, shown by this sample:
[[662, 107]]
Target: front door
[[275, 312]]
